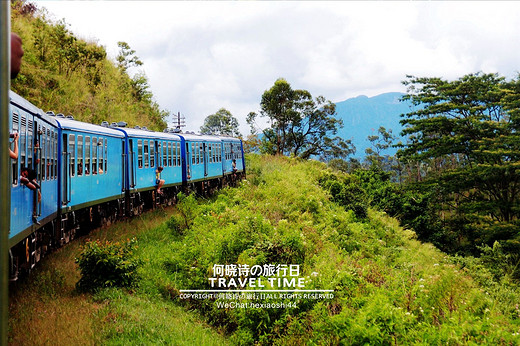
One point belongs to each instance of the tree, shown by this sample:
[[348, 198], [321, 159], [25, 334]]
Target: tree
[[463, 135], [126, 57], [300, 125], [222, 123]]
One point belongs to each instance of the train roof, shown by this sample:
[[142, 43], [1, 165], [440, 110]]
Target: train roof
[[71, 124], [199, 138], [229, 139], [133, 132], [27, 106], [24, 104]]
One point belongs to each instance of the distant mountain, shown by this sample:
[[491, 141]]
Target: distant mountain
[[362, 116]]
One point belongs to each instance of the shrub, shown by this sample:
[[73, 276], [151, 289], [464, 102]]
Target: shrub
[[107, 264]]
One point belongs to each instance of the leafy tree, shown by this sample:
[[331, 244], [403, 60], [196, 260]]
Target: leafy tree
[[300, 124], [467, 142], [222, 123], [126, 57]]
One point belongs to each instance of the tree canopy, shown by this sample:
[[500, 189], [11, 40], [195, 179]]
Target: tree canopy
[[464, 143], [222, 123], [301, 125]]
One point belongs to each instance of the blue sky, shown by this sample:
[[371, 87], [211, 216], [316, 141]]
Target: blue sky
[[201, 56]]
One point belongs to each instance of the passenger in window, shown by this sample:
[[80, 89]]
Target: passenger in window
[[14, 154], [36, 147], [234, 165], [158, 181], [100, 168], [80, 169], [28, 178]]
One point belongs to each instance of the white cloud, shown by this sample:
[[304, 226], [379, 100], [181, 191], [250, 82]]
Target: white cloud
[[201, 56]]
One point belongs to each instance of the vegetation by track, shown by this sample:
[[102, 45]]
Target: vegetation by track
[[388, 287]]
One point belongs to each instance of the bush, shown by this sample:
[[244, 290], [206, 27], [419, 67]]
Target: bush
[[107, 264], [346, 191]]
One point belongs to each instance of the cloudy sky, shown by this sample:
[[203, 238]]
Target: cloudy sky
[[202, 56]]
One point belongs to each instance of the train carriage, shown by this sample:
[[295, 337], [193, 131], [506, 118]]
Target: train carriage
[[146, 151], [203, 167], [233, 150], [32, 217], [91, 170], [37, 150]]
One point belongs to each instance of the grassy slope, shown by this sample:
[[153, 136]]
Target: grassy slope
[[58, 75], [389, 288], [48, 310]]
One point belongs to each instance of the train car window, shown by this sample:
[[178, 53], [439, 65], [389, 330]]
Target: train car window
[[140, 153], [201, 149], [54, 149], [177, 150], [42, 152], [14, 163], [101, 155], [48, 155], [72, 151], [197, 153], [146, 154], [174, 153], [106, 154], [152, 154], [165, 154], [170, 154], [29, 143], [192, 153], [214, 152], [51, 156], [22, 145], [95, 149], [80, 155], [178, 146], [87, 155]]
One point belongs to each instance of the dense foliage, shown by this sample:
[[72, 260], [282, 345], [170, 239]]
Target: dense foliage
[[463, 144], [68, 75], [388, 288], [109, 264], [456, 180]]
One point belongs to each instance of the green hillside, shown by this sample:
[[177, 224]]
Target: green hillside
[[65, 74], [386, 287]]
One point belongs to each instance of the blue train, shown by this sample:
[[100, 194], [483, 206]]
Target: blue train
[[93, 174]]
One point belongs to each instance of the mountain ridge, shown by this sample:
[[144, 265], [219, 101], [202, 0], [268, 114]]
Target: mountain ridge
[[362, 116]]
